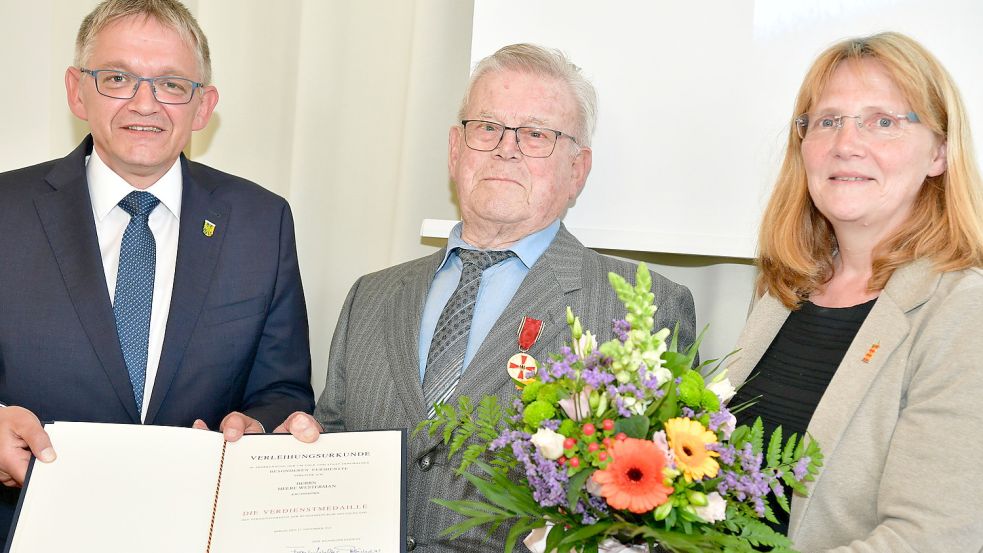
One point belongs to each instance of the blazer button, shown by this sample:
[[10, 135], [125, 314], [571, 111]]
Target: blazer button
[[426, 462], [410, 543]]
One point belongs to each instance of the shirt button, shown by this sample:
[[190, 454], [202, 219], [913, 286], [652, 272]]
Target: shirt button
[[410, 543], [426, 462]]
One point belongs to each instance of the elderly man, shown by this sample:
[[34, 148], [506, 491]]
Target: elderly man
[[136, 286], [446, 325]]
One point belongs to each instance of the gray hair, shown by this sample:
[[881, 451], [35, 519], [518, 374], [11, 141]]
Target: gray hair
[[546, 62], [169, 13]]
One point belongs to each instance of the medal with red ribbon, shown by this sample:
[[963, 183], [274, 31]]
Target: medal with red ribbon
[[523, 367]]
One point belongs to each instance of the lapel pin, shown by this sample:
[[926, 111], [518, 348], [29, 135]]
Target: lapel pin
[[870, 352], [208, 229]]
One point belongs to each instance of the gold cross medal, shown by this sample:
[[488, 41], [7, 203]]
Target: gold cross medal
[[523, 367], [208, 229]]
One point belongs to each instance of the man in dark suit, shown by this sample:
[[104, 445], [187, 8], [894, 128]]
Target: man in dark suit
[[519, 158], [135, 285]]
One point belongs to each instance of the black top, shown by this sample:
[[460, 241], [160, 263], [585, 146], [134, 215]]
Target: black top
[[794, 372]]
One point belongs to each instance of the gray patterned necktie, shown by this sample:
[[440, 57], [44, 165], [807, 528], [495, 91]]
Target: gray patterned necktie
[[445, 361], [135, 288]]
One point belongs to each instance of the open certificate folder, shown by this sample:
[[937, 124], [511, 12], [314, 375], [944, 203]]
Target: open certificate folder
[[128, 488]]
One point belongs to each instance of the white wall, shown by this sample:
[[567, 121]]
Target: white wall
[[354, 135]]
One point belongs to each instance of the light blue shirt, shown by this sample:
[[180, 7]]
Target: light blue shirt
[[498, 285]]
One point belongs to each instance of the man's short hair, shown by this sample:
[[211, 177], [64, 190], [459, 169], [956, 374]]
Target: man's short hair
[[169, 13], [545, 62]]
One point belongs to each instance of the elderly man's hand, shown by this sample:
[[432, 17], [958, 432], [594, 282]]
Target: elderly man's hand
[[234, 425], [302, 426], [21, 435]]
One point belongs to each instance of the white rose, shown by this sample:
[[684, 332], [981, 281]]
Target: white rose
[[549, 443], [714, 510], [723, 389]]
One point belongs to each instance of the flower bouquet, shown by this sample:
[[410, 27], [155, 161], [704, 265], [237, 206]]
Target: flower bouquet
[[622, 446]]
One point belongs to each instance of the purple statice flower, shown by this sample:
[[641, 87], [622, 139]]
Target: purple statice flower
[[726, 451], [629, 388], [595, 360], [551, 424], [719, 418], [597, 378], [516, 419], [546, 478], [648, 378], [621, 328], [749, 461], [508, 437], [777, 489], [687, 412], [752, 486], [591, 510], [801, 468], [619, 402]]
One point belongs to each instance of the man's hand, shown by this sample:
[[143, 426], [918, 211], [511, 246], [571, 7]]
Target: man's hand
[[21, 435], [302, 426], [234, 425]]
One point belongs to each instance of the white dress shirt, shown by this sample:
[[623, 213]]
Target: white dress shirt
[[106, 189]]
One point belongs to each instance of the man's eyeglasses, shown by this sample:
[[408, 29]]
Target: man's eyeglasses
[[485, 136], [878, 125], [123, 86]]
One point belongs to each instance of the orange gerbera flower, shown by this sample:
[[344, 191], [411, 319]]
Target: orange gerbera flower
[[633, 479], [688, 440]]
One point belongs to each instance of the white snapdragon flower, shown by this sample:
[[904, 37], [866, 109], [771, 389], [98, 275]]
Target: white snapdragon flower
[[549, 443]]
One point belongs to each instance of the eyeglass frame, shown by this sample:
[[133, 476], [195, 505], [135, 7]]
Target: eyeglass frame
[[515, 131], [802, 130], [139, 80]]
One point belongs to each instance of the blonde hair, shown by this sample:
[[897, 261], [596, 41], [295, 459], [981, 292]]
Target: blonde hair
[[544, 62], [796, 242], [169, 13]]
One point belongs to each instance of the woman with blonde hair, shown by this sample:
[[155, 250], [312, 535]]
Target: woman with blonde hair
[[870, 299]]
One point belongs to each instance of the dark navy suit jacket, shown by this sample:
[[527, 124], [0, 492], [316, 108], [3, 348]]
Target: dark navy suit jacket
[[236, 336]]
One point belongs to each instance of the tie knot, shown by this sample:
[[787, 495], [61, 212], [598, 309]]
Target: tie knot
[[483, 259], [139, 203]]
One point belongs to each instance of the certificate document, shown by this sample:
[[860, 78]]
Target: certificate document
[[156, 489]]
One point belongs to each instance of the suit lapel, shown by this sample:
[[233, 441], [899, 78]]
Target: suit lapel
[[542, 295], [887, 326], [197, 256], [402, 344], [66, 215]]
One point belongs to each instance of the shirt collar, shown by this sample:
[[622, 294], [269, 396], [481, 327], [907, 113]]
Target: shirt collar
[[528, 250], [106, 188]]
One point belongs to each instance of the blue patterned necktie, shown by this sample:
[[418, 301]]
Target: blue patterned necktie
[[135, 288], [445, 360]]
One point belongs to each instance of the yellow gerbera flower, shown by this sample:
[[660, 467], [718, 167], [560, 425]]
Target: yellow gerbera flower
[[688, 440]]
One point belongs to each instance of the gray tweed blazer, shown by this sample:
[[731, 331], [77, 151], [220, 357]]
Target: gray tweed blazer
[[902, 433], [373, 374]]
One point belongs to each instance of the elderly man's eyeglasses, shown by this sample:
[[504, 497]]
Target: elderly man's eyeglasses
[[878, 125], [485, 136], [123, 86]]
